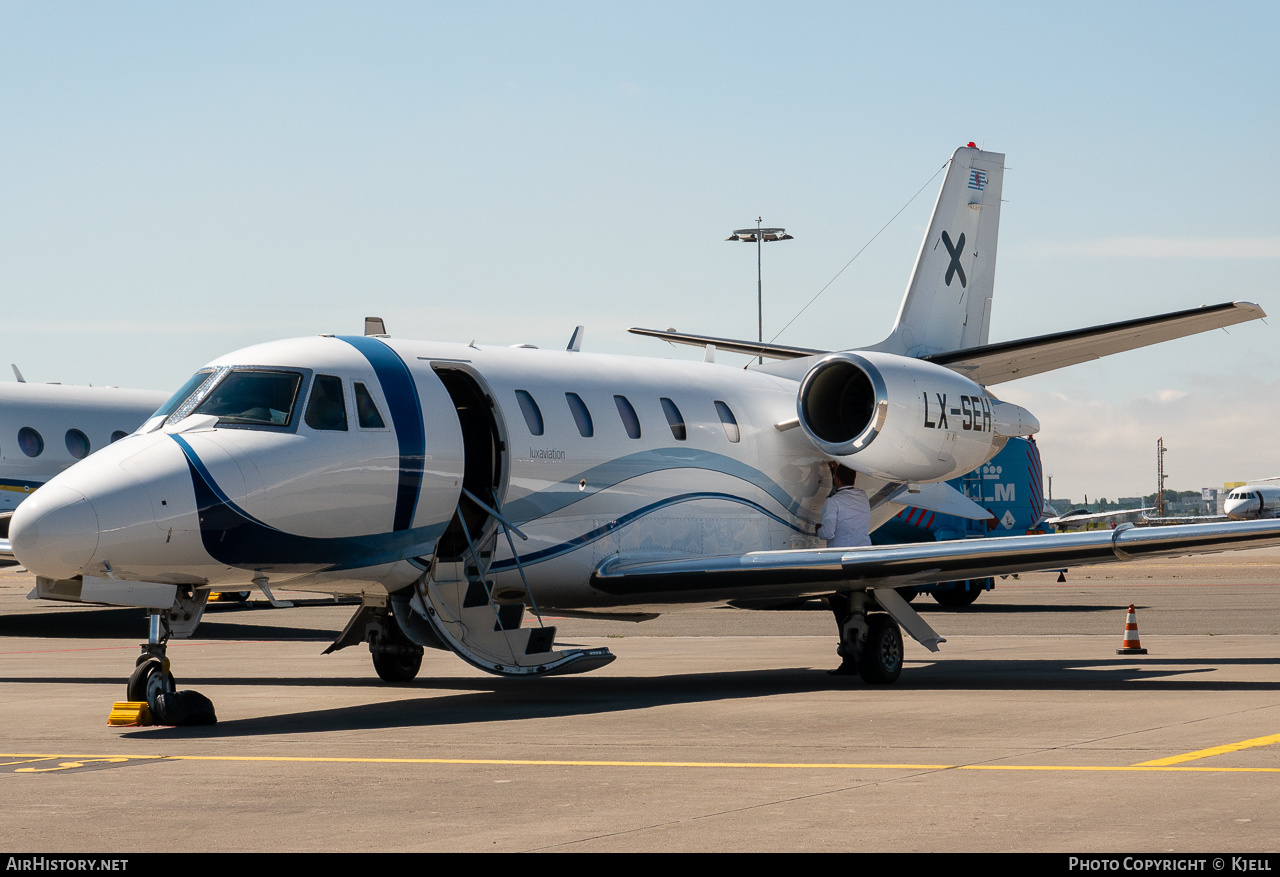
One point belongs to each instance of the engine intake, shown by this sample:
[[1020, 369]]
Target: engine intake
[[842, 403]]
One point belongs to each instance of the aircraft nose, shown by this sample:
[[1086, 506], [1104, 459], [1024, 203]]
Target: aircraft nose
[[54, 532]]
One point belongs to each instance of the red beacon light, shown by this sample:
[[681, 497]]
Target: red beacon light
[[971, 145]]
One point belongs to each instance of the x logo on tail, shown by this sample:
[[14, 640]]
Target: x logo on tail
[[956, 251]]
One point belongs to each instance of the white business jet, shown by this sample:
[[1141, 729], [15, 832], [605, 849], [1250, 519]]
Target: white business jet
[[454, 487], [1082, 517], [44, 428], [1257, 499]]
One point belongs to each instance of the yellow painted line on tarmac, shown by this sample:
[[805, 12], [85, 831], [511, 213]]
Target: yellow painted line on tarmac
[[1150, 767], [1215, 750]]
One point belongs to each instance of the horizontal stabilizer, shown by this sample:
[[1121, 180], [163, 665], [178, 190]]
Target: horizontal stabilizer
[[941, 497], [755, 348], [996, 363]]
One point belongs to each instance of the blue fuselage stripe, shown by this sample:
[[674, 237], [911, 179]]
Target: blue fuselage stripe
[[622, 521], [401, 393]]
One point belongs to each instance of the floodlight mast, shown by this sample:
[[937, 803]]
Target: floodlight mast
[[758, 236]]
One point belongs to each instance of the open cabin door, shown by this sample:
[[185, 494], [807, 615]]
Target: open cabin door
[[457, 599], [484, 465]]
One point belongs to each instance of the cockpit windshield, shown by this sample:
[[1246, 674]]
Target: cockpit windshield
[[188, 390], [253, 397]]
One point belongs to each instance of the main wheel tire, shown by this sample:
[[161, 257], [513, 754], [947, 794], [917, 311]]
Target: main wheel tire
[[148, 680], [963, 594], [880, 658], [397, 668]]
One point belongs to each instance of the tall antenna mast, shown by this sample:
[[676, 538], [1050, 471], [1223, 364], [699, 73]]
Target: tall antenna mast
[[1160, 449]]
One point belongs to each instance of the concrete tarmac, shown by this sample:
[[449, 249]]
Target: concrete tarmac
[[714, 730]]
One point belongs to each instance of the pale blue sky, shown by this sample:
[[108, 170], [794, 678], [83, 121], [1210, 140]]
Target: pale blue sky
[[180, 180]]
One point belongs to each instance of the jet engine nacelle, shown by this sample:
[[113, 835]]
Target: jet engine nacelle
[[904, 419]]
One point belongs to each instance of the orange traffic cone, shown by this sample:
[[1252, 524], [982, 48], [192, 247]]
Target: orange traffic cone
[[1131, 644]]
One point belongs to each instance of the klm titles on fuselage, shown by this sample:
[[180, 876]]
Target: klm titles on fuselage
[[973, 414]]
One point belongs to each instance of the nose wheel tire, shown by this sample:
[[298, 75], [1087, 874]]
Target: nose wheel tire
[[880, 659], [149, 680]]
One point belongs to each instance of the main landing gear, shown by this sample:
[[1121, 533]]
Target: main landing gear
[[870, 640]]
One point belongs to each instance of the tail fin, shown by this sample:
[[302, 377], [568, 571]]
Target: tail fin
[[948, 301]]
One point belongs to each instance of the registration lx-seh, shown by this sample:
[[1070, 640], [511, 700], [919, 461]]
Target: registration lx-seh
[[457, 489]]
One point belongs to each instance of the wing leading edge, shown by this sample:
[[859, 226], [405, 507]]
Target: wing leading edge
[[815, 572]]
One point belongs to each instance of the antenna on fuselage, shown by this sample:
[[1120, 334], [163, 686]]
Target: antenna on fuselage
[[374, 326], [17, 374], [575, 342]]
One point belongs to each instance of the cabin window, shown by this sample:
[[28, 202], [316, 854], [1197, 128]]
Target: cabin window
[[367, 410], [581, 416], [630, 422], [532, 414], [253, 398], [674, 418], [77, 444], [30, 441], [327, 410], [728, 421]]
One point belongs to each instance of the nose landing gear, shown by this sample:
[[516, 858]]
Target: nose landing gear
[[152, 695], [150, 679]]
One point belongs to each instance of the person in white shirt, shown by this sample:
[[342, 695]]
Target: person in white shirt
[[846, 516], [846, 523]]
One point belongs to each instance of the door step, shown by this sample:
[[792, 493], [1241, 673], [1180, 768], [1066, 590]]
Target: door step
[[489, 635]]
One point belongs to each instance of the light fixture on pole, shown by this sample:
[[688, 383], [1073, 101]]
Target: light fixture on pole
[[759, 236]]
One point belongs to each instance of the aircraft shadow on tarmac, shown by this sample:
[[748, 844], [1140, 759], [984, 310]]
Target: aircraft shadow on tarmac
[[131, 625], [219, 623], [502, 700]]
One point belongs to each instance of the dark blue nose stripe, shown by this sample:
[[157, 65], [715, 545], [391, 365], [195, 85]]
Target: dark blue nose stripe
[[236, 538]]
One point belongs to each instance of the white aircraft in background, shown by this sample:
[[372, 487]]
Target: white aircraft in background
[[1082, 517], [44, 428], [454, 486], [1257, 499]]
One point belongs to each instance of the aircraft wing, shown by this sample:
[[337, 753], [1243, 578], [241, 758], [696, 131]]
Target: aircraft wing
[[823, 570], [996, 363]]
